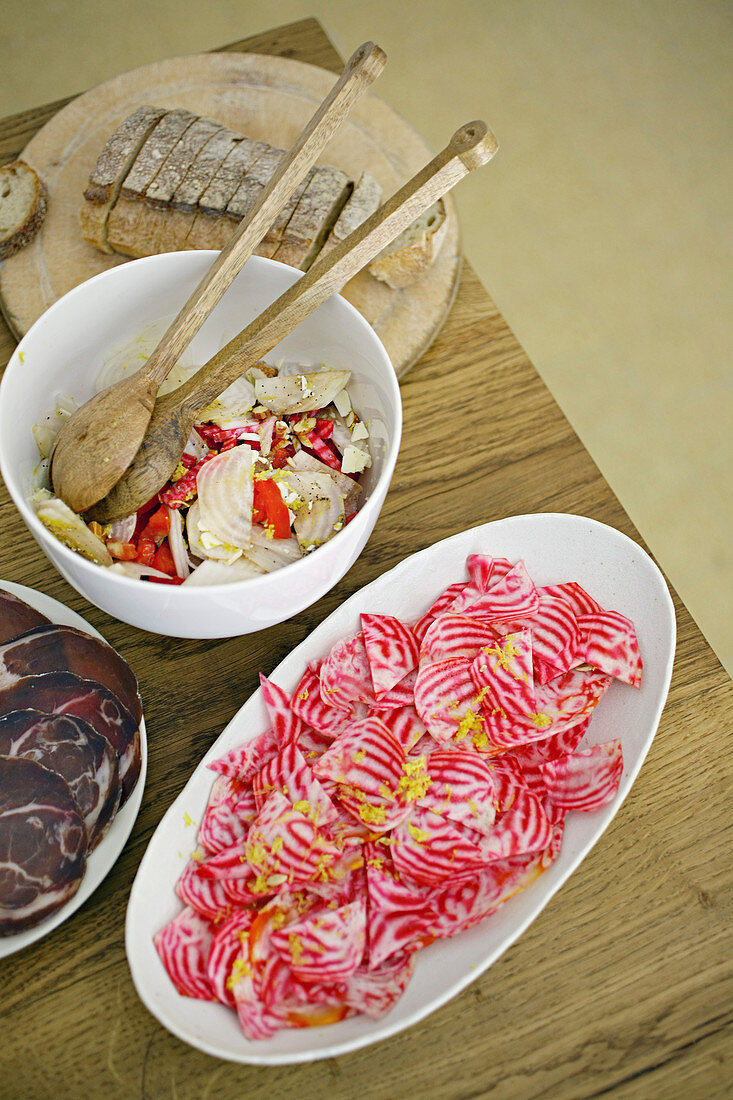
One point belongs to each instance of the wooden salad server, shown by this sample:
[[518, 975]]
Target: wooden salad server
[[98, 443], [175, 413]]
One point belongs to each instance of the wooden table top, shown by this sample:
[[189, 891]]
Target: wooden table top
[[622, 986]]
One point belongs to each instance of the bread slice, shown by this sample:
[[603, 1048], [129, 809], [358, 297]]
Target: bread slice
[[184, 204], [113, 164], [22, 206], [412, 253], [211, 227], [361, 204], [314, 216], [270, 243], [154, 210], [122, 224]]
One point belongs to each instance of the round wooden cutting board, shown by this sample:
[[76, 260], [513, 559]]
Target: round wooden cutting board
[[266, 98]]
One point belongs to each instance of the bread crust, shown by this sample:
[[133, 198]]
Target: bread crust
[[35, 210], [414, 251]]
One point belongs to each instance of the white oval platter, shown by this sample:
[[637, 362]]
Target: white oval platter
[[554, 547], [105, 855]]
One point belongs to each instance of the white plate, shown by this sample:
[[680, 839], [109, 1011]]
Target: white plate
[[555, 547], [104, 856]]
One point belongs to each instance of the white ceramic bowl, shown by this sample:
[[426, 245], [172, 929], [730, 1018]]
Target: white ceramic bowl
[[63, 352]]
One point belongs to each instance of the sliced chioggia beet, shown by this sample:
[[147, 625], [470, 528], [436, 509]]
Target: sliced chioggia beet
[[225, 487], [299, 393], [416, 779]]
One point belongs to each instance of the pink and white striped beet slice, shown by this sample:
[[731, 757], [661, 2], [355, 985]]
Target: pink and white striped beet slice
[[398, 913], [284, 846], [392, 650], [345, 675], [289, 773], [519, 830], [226, 946], [401, 695], [484, 571], [375, 991], [585, 780], [561, 704], [183, 946], [555, 633], [404, 723], [502, 675], [243, 761], [327, 945], [575, 595], [608, 641], [367, 762], [455, 635], [206, 896], [530, 758], [513, 597], [447, 701], [231, 810], [462, 904], [429, 848], [286, 724], [461, 788], [309, 705]]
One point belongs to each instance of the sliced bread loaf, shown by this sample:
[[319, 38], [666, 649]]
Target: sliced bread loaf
[[22, 206], [124, 218], [154, 210], [113, 164], [313, 217]]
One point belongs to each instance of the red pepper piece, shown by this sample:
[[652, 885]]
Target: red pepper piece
[[123, 551], [163, 560], [280, 455], [268, 499], [157, 526], [145, 551], [164, 580]]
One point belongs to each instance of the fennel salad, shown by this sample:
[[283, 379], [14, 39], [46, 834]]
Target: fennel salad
[[270, 472]]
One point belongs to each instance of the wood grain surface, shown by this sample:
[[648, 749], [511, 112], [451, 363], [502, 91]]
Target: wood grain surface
[[622, 987], [268, 98]]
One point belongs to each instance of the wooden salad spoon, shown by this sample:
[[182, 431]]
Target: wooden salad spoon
[[175, 413], [98, 443]]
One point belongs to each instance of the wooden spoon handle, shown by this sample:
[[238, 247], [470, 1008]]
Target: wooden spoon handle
[[471, 146], [362, 68]]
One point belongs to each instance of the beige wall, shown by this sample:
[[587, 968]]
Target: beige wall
[[601, 229]]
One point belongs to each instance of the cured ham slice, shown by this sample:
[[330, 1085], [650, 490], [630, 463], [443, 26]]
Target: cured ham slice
[[65, 693], [16, 617], [80, 755], [43, 844], [54, 648]]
